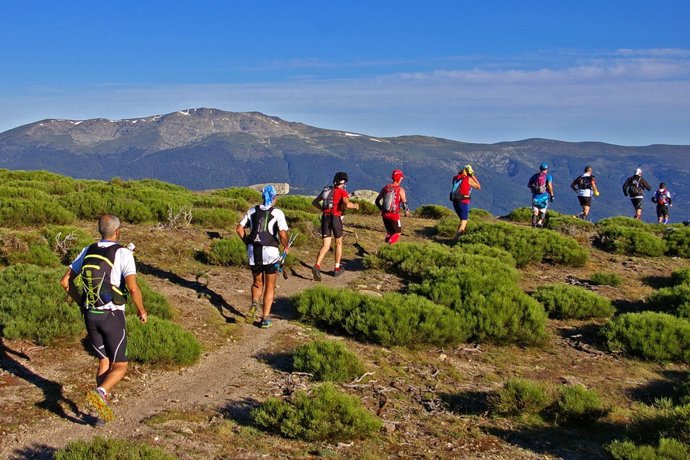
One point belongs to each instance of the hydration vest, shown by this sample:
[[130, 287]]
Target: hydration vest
[[461, 189], [95, 278], [584, 182], [537, 183], [260, 234], [391, 198], [327, 197], [634, 188]]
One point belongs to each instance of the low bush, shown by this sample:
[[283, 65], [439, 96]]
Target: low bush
[[520, 215], [432, 211], [674, 300], [521, 396], [578, 404], [393, 319], [326, 415], [160, 342], [606, 279], [227, 252], [629, 240], [528, 245], [328, 360], [446, 227], [366, 208], [296, 203], [678, 241], [247, 194], [563, 301], [487, 251], [667, 449], [629, 222], [214, 217], [662, 419], [650, 335], [34, 307], [20, 212], [683, 392], [154, 302], [110, 449], [67, 242], [568, 225], [478, 213], [681, 276], [26, 248]]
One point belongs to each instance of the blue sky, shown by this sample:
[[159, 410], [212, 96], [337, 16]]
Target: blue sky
[[475, 71]]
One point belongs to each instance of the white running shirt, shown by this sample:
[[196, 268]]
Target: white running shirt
[[269, 254]]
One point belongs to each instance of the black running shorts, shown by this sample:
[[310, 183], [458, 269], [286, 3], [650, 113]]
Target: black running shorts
[[661, 210], [331, 226], [392, 226], [636, 202], [268, 269], [585, 200], [107, 336]]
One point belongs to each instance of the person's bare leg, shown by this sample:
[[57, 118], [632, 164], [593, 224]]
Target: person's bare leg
[[103, 368], [257, 287], [338, 251], [461, 228], [114, 375], [269, 294], [324, 250]]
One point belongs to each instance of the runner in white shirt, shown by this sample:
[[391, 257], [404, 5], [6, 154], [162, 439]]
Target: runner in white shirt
[[263, 228]]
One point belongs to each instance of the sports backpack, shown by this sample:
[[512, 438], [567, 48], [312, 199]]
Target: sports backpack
[[537, 183], [327, 197], [260, 234], [391, 198], [584, 182], [634, 188], [456, 192], [97, 290]]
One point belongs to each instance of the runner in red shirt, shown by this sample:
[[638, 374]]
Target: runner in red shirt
[[390, 200], [332, 201]]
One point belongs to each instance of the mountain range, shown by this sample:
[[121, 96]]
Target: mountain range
[[210, 148]]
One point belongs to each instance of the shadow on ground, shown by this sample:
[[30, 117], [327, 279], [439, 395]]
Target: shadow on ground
[[467, 403], [34, 452], [664, 387], [199, 287], [240, 411], [279, 361], [53, 396]]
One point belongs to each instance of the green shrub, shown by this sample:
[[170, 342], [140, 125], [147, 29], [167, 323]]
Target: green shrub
[[26, 248], [572, 302], [520, 215], [606, 279], [521, 396], [247, 194], [326, 415], [578, 404], [34, 307], [214, 217], [487, 251], [683, 392], [393, 319], [296, 203], [110, 449], [160, 342], [681, 276], [446, 227], [366, 208], [227, 252], [678, 241], [620, 239], [67, 242], [478, 213], [674, 300], [629, 222], [568, 225], [662, 419], [528, 245], [433, 211], [650, 335], [668, 449], [20, 212], [328, 360], [154, 302]]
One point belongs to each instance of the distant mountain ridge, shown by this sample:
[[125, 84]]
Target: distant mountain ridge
[[210, 148]]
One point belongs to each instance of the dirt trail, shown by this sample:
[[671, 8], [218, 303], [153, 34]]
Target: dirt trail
[[221, 377]]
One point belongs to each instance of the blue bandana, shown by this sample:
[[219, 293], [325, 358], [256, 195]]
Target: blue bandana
[[268, 194]]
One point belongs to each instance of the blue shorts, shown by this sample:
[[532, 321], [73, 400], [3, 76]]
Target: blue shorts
[[540, 202], [462, 209]]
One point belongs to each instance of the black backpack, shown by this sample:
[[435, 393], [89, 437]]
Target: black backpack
[[260, 234], [584, 182], [327, 197], [97, 289], [634, 187]]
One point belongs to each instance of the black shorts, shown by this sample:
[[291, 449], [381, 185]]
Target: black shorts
[[268, 269], [392, 226], [585, 200], [636, 202], [107, 335], [661, 210], [331, 226]]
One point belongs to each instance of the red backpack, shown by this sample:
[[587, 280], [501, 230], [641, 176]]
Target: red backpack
[[391, 198]]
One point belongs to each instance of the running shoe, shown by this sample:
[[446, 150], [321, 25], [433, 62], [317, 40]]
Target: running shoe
[[100, 404], [249, 317], [338, 271], [316, 271], [266, 323]]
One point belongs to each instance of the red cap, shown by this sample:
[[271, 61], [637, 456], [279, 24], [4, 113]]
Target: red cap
[[397, 175]]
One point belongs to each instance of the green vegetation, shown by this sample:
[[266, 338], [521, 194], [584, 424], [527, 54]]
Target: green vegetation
[[160, 342], [606, 279], [523, 214], [528, 245], [366, 208], [681, 276], [678, 241], [478, 213], [432, 211], [393, 319], [326, 415], [650, 335], [568, 225], [227, 252], [296, 203], [661, 420], [630, 240], [676, 298], [328, 360], [579, 404], [667, 449], [521, 396], [110, 449], [66, 241], [26, 248], [563, 301]]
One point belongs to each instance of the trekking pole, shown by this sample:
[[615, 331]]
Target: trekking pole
[[283, 256]]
